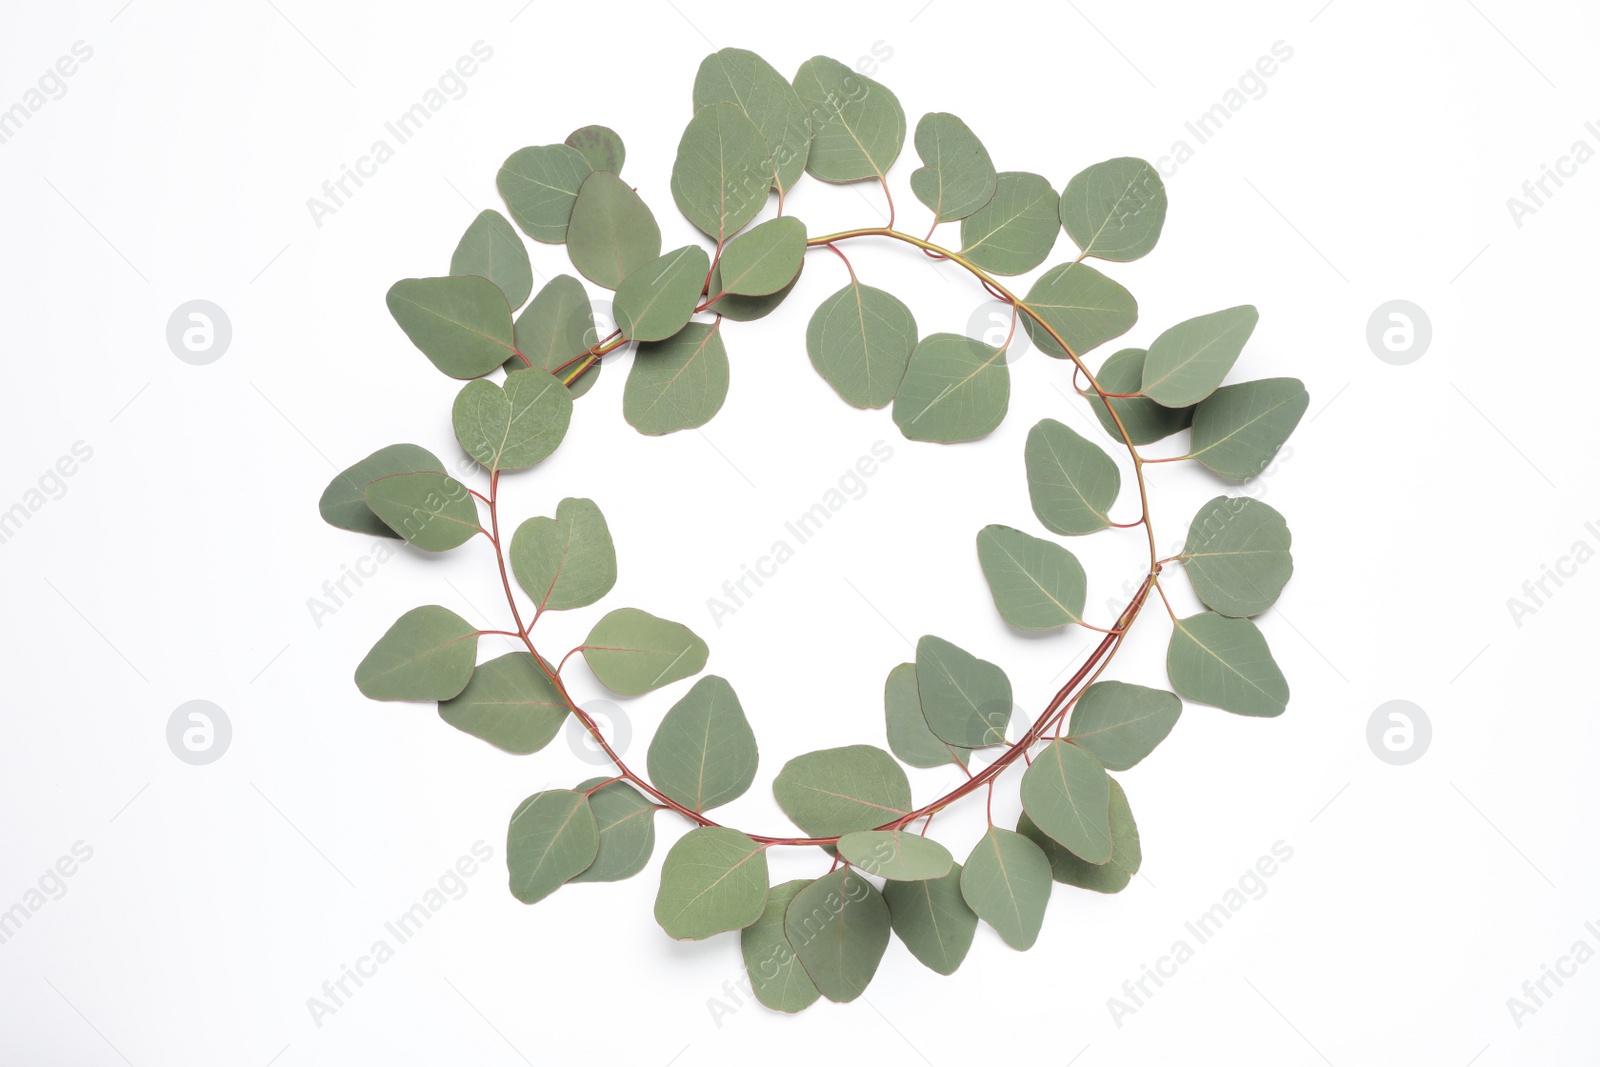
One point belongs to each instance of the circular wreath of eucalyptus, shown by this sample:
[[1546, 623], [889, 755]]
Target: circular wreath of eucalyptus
[[753, 134]]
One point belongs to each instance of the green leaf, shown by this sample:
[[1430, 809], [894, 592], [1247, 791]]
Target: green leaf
[[704, 752], [723, 172], [601, 146], [956, 388], [514, 427], [491, 249], [679, 383], [1083, 306], [344, 501], [1122, 723], [1188, 361], [1225, 662], [426, 655], [1145, 420], [432, 511], [860, 340], [839, 927], [766, 97], [1239, 428], [858, 127], [612, 232], [656, 301], [1015, 231], [897, 855], [556, 328], [746, 308], [966, 700], [764, 260], [933, 919], [957, 176], [568, 561], [633, 652], [1036, 584], [539, 186], [909, 736], [1237, 555], [1006, 881], [1071, 481], [713, 880], [837, 791], [463, 325], [552, 838], [626, 820], [510, 703], [1114, 210], [1110, 877], [777, 977], [1065, 791]]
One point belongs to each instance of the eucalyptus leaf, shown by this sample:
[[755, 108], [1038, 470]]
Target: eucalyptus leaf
[[1144, 419], [1188, 361], [966, 700], [704, 753], [491, 249], [1240, 428], [933, 919], [555, 329], [837, 791], [897, 855], [510, 703], [1225, 662], [633, 652], [656, 300], [463, 325], [626, 819], [1006, 881], [764, 260], [957, 177], [1237, 555], [344, 501], [909, 736], [777, 977], [552, 838], [426, 655], [1071, 481], [1065, 791], [432, 511], [743, 78], [723, 170], [1122, 723], [1112, 876], [1083, 306], [839, 927], [678, 383], [514, 427], [858, 127], [746, 308], [539, 186], [1036, 584], [601, 146], [1114, 210], [860, 340], [713, 880], [956, 388], [612, 233], [568, 561], [1016, 229]]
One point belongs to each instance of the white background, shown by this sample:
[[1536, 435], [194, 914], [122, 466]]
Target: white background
[[179, 561]]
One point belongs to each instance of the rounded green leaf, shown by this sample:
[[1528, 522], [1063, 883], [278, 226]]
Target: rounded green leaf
[[612, 233], [1071, 481], [837, 791], [1006, 881], [656, 301], [723, 171], [463, 325], [1122, 723], [1237, 555], [897, 855], [1114, 210], [1145, 420], [539, 186], [766, 97], [1015, 231], [777, 977], [746, 308], [510, 703], [713, 880], [626, 820], [491, 249], [839, 927], [1225, 662], [552, 838], [516, 426], [555, 329], [601, 146], [1110, 877], [956, 388], [1239, 428], [764, 260], [933, 919], [432, 511], [957, 177], [1188, 361], [426, 655], [860, 340], [966, 700], [568, 561], [679, 383], [344, 501], [909, 736], [1065, 791], [1083, 306], [1036, 584], [704, 752], [858, 127], [633, 652]]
